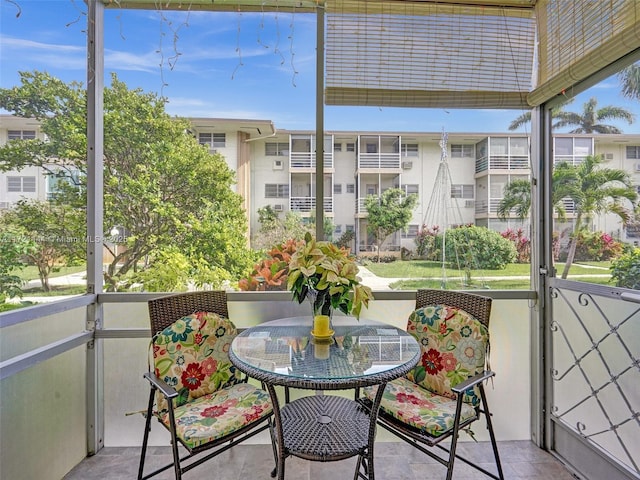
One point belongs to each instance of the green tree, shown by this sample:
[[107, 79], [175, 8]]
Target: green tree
[[597, 190], [14, 245], [56, 232], [592, 118], [275, 230], [630, 79], [593, 189], [516, 196], [160, 185], [388, 213], [525, 118], [625, 270]]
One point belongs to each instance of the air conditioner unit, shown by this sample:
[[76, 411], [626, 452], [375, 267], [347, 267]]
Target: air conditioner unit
[[278, 207], [4, 205], [407, 165], [278, 165], [213, 151], [637, 167], [608, 156], [468, 203]]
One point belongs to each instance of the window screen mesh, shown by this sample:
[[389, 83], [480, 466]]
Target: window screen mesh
[[419, 54]]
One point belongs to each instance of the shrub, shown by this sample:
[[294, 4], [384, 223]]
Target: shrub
[[597, 246], [271, 273], [522, 244], [472, 247], [426, 243], [346, 239], [625, 270]]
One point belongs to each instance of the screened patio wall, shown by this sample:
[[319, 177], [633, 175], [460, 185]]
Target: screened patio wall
[[61, 392]]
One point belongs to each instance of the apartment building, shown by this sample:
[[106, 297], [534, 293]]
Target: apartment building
[[458, 178]]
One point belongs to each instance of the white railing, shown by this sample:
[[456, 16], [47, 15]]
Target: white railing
[[506, 162], [361, 206], [308, 160], [306, 204], [379, 160]]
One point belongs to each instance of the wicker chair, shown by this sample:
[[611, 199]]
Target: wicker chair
[[445, 392], [191, 386]]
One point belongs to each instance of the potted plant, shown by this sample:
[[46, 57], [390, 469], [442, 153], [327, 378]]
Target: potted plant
[[327, 276]]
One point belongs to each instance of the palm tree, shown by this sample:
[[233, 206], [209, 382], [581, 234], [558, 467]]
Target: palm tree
[[590, 121], [630, 79], [593, 189], [525, 118], [597, 190], [516, 196]]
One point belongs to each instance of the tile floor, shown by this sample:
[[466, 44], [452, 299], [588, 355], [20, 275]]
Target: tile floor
[[394, 461]]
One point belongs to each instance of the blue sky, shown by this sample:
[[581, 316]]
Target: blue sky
[[228, 65]]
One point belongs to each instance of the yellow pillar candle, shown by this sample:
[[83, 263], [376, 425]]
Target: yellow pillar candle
[[321, 326]]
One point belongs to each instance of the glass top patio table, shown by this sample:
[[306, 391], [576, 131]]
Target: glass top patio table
[[325, 427], [360, 353]]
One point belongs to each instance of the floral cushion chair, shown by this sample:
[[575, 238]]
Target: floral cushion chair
[[200, 397], [444, 392]]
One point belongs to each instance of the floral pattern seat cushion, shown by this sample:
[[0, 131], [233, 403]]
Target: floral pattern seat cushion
[[218, 414], [454, 345], [192, 356], [425, 411]]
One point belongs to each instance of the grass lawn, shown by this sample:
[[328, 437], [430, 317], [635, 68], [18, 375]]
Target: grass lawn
[[487, 284], [425, 269], [31, 272], [55, 291]]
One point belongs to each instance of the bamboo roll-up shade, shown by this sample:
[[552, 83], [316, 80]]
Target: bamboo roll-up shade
[[580, 37], [423, 54]]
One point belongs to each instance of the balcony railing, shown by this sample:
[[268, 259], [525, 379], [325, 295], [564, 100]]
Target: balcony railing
[[502, 162], [307, 204], [360, 206], [50, 361], [379, 160], [308, 160]]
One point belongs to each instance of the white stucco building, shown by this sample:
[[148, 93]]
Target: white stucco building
[[277, 167]]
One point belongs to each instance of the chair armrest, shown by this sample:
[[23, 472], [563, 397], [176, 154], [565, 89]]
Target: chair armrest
[[472, 381], [166, 390]]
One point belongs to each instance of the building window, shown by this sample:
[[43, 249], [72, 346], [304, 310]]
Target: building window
[[411, 188], [351, 147], [337, 230], [22, 134], [462, 191], [462, 151], [350, 228], [351, 188], [274, 149], [337, 147], [372, 147], [337, 188], [21, 184], [412, 232], [633, 152], [214, 140], [276, 190], [410, 149]]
